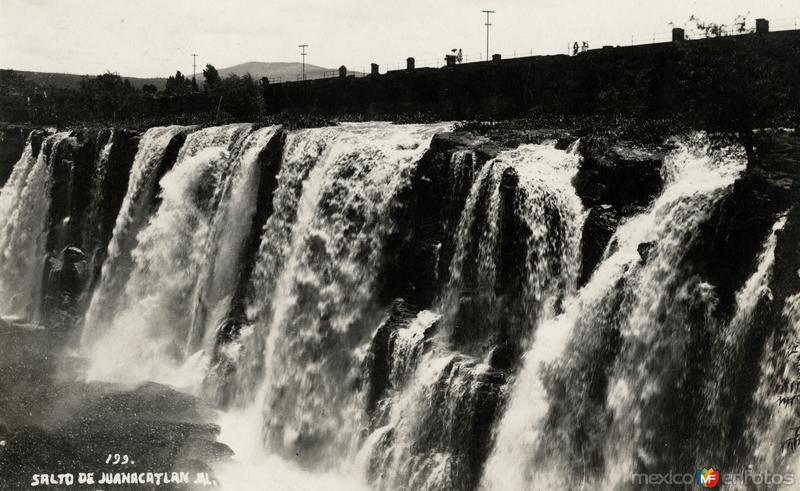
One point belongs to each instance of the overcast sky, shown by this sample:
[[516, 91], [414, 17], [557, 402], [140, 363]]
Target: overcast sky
[[156, 37]]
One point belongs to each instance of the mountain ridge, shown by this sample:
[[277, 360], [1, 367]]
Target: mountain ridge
[[275, 71]]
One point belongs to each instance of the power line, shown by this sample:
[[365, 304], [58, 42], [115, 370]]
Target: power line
[[487, 12], [303, 54]]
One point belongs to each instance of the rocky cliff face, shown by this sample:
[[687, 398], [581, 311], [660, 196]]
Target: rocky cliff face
[[12, 143]]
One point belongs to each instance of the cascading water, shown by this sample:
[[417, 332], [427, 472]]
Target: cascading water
[[584, 404], [314, 287], [24, 207], [93, 229], [427, 436], [325, 290], [261, 269], [772, 425], [174, 281], [133, 215]]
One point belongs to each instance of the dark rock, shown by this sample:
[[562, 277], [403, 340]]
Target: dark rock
[[56, 423], [504, 356], [464, 437], [418, 253], [564, 142], [378, 362], [620, 174], [109, 187], [599, 227], [644, 250], [65, 279], [729, 242], [12, 143], [73, 254]]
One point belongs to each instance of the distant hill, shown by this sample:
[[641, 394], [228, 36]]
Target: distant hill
[[283, 71], [276, 72], [70, 80]]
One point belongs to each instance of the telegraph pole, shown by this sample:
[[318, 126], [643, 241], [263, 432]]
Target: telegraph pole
[[194, 65], [194, 73], [487, 12], [303, 54]]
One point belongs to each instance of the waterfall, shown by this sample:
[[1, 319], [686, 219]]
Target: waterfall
[[384, 306], [322, 306], [93, 229], [516, 248], [133, 214], [588, 389], [772, 424], [314, 300], [183, 262], [24, 208]]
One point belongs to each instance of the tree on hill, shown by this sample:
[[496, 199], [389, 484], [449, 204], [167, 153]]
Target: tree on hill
[[13, 83], [149, 89], [241, 96], [109, 96], [211, 76], [177, 84]]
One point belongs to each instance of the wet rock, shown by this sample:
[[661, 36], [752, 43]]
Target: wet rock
[[109, 187], [418, 253], [620, 174], [377, 364], [476, 394], [729, 242], [12, 143], [65, 280], [56, 423], [599, 227], [644, 250], [504, 356]]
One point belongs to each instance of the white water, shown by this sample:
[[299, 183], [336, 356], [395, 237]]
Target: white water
[[175, 263], [132, 216], [93, 230], [314, 304], [694, 181], [649, 356], [545, 176], [24, 207], [324, 293], [439, 403], [772, 424], [297, 420]]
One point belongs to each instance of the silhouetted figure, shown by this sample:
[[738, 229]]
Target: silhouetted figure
[[575, 48], [585, 47], [459, 56]]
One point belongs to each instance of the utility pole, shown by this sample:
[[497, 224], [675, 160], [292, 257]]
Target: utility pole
[[487, 12], [303, 54], [194, 65], [194, 72]]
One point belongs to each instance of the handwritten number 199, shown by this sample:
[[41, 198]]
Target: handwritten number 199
[[117, 459]]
